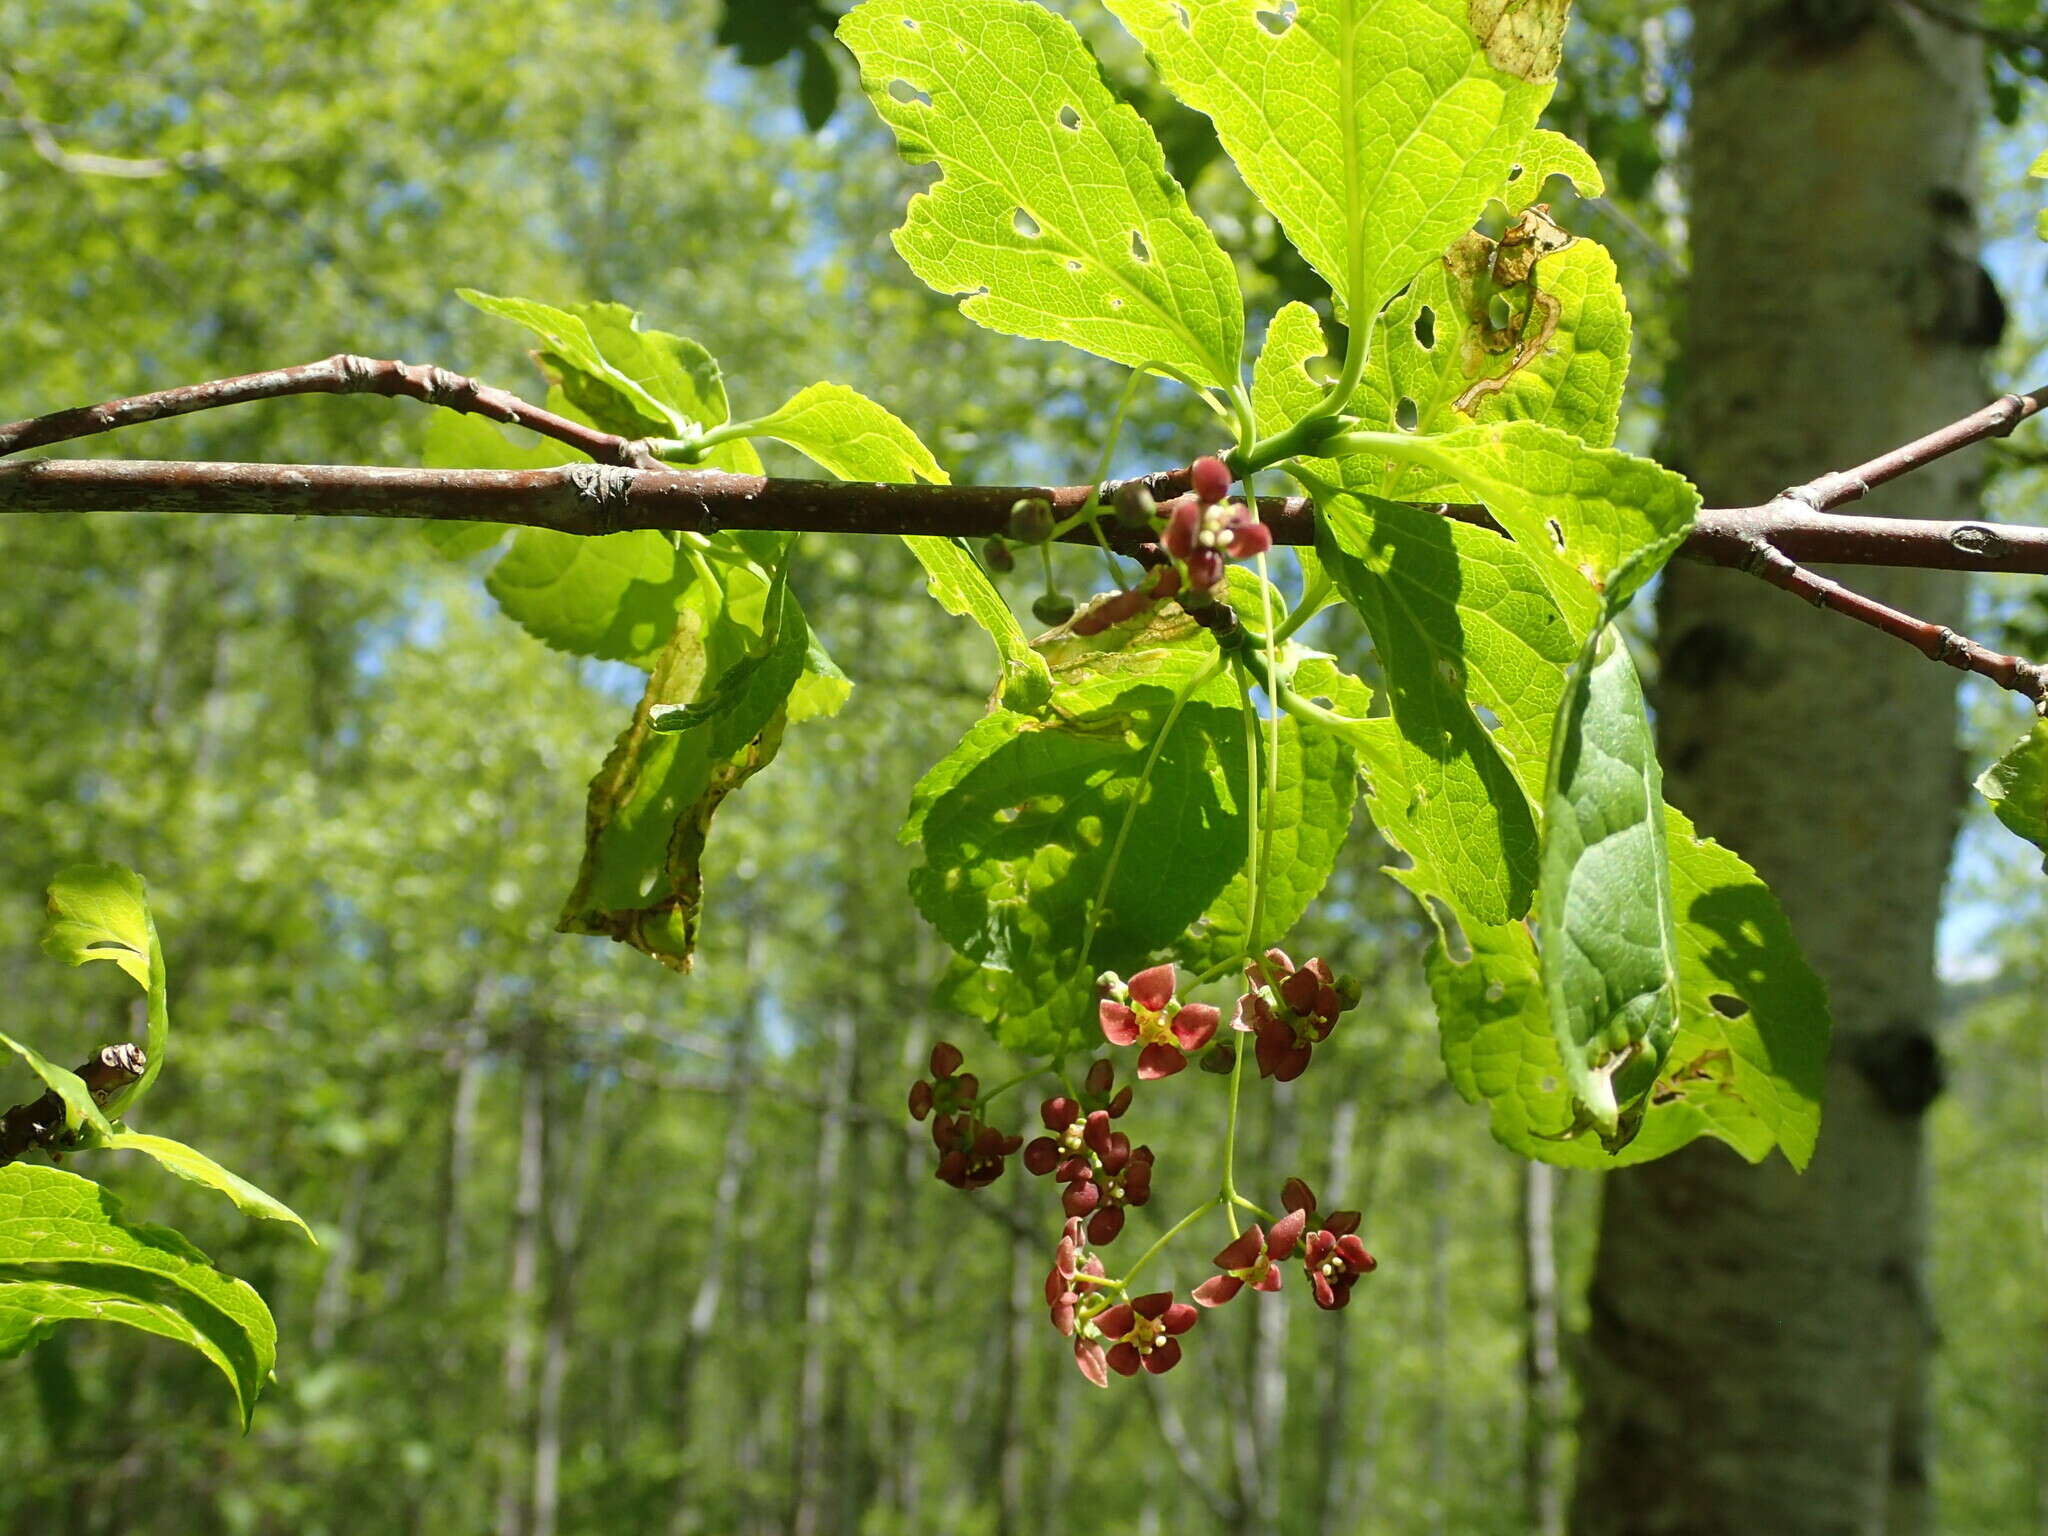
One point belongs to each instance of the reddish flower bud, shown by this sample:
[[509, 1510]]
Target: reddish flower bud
[[1183, 519], [1205, 570], [1052, 608], [995, 554], [946, 1059], [1211, 478], [1134, 505], [1031, 520]]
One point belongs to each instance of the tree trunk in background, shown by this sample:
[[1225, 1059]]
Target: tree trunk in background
[[529, 1203], [1758, 1337], [813, 1452], [1543, 1402]]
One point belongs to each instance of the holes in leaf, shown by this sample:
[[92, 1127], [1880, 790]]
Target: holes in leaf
[[1407, 414], [1548, 1085], [1139, 250], [1456, 945], [1556, 533], [1487, 717], [1024, 224], [1115, 302], [1425, 328], [1073, 264], [1180, 14], [1276, 19], [1728, 1007], [905, 92], [1495, 992], [1070, 119], [1515, 175]]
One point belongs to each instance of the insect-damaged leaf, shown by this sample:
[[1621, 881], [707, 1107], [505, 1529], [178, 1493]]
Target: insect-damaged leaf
[[732, 663], [2017, 787], [1054, 213]]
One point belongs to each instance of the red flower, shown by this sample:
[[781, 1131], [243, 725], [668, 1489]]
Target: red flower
[[948, 1094], [1333, 1256], [1068, 1287], [1290, 1011], [1252, 1259], [1067, 1118], [971, 1152], [1104, 1177], [1199, 534], [1146, 1010], [1145, 1332], [1210, 477]]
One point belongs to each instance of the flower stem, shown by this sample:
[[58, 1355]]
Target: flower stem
[[1007, 1084], [1170, 1234]]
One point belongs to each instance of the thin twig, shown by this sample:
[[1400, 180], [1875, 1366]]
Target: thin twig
[[40, 1123], [2009, 39], [342, 374], [84, 162], [1937, 642], [628, 488]]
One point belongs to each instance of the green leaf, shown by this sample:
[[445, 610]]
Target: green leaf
[[962, 587], [850, 436], [1310, 817], [101, 912], [2017, 787], [79, 1108], [1546, 154], [1282, 390], [650, 808], [191, 1164], [1745, 1066], [1375, 130], [2040, 165], [614, 597], [1140, 754], [1467, 821], [1610, 948], [625, 380], [67, 1255], [1054, 211], [1598, 523], [1562, 360]]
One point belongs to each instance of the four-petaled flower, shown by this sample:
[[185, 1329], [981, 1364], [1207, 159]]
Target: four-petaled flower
[[1252, 1259], [1066, 1119], [1333, 1256], [971, 1152], [948, 1093], [1202, 528], [1106, 1175], [1146, 1009], [1290, 1010], [1144, 1332]]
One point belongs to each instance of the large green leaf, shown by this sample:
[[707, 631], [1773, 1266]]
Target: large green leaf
[[101, 912], [1469, 824], [739, 649], [2017, 787], [1597, 522], [963, 587], [191, 1164], [67, 1255], [1375, 130], [1031, 817], [1610, 949], [1054, 212], [1745, 1066]]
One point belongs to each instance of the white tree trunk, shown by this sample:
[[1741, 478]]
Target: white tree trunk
[[1758, 1338]]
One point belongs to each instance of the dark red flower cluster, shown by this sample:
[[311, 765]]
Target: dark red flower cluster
[[971, 1152], [1066, 1119], [1143, 1332], [1333, 1255], [1290, 1010], [1146, 1010], [1202, 528]]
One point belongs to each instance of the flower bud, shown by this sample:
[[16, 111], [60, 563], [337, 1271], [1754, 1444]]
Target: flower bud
[[995, 554], [1031, 520], [1211, 479], [1134, 505], [1053, 608]]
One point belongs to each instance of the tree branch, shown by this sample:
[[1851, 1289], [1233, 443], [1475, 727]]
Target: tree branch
[[85, 163], [628, 488]]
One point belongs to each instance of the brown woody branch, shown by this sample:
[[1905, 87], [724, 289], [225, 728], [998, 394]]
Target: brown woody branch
[[628, 488], [40, 1124]]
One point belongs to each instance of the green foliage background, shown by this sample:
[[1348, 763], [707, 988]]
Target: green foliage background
[[357, 793]]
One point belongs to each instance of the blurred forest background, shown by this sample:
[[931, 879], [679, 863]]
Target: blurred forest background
[[606, 1250]]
